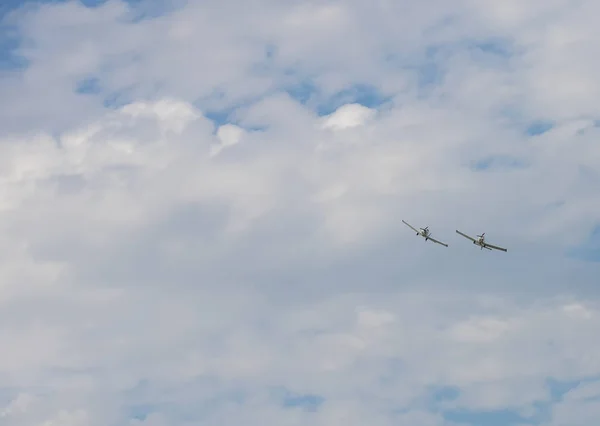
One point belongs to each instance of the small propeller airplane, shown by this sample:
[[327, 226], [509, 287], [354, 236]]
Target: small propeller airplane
[[424, 232], [480, 241]]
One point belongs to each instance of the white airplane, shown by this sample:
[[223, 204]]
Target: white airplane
[[480, 241], [424, 232]]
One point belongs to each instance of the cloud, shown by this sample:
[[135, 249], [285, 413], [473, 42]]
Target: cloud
[[348, 116], [201, 210]]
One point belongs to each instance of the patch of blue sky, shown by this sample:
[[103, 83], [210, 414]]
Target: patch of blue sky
[[538, 127], [492, 51], [9, 43], [92, 86], [538, 413], [489, 418], [495, 162], [150, 9], [426, 68], [429, 69], [140, 9], [219, 117], [307, 92], [365, 94], [184, 410], [589, 251], [289, 399], [306, 402], [228, 115], [445, 393], [304, 91], [294, 81], [270, 51], [303, 87], [10, 39], [89, 85], [217, 107], [559, 388], [512, 116], [442, 400], [118, 99], [224, 116], [6, 6], [179, 402], [429, 74], [267, 62], [497, 47], [140, 412], [9, 59]]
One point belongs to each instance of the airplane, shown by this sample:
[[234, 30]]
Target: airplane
[[424, 232], [480, 241]]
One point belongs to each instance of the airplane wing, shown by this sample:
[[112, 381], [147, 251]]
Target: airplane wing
[[494, 247], [465, 235], [436, 241], [410, 226]]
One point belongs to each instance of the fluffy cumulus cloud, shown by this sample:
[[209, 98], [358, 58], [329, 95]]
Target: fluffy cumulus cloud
[[201, 211]]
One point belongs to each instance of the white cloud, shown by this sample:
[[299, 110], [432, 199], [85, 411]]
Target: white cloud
[[480, 330], [162, 268], [228, 134], [348, 116]]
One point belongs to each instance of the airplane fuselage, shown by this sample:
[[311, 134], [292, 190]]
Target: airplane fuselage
[[425, 233], [480, 242]]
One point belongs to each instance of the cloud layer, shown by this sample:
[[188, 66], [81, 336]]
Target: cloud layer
[[201, 209]]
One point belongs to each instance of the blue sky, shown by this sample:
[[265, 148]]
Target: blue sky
[[201, 208]]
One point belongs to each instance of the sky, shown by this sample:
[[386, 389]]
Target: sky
[[201, 208]]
